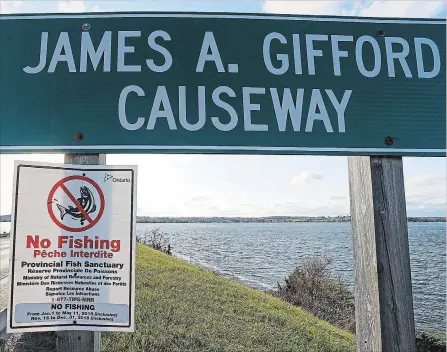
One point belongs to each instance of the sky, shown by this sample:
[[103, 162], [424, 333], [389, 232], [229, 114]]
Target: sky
[[248, 185]]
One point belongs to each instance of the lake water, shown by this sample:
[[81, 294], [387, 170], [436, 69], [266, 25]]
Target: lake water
[[262, 254]]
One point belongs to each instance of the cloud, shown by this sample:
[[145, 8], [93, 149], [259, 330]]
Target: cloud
[[317, 206], [304, 7], [426, 193], [200, 199], [8, 6], [306, 177], [403, 9], [424, 180], [336, 198], [96, 8], [71, 6], [378, 8]]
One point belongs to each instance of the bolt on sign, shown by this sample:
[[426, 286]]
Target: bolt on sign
[[73, 258], [223, 83]]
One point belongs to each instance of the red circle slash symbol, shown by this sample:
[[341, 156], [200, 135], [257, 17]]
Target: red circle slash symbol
[[83, 206]]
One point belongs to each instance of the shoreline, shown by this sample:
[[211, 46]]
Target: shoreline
[[205, 310], [265, 290]]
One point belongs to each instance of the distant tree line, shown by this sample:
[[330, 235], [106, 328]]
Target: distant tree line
[[266, 219]]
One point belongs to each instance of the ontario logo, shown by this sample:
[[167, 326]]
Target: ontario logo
[[107, 177], [115, 179]]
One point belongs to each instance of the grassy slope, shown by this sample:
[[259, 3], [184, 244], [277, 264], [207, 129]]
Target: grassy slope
[[181, 307]]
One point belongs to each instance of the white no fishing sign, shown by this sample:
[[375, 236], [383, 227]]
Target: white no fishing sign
[[73, 248]]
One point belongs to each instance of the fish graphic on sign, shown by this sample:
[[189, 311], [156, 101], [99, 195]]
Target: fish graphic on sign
[[86, 201], [84, 198]]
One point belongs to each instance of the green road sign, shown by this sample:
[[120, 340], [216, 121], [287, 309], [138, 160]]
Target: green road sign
[[222, 83]]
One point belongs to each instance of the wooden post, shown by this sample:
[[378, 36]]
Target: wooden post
[[78, 340], [383, 293]]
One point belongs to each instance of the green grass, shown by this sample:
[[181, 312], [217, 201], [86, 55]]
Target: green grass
[[181, 307]]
